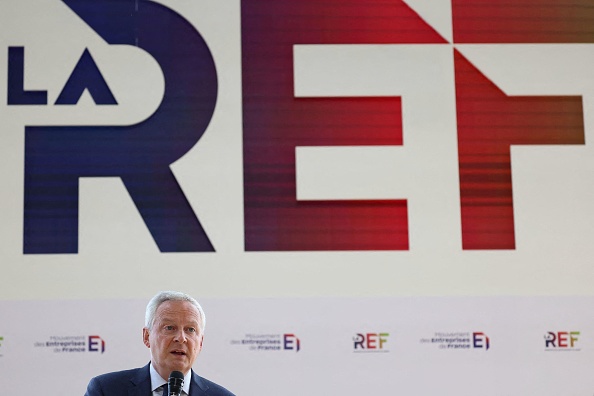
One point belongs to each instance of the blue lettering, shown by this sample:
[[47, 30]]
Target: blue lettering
[[86, 75], [57, 156], [16, 94]]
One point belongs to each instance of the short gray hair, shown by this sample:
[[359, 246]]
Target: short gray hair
[[161, 297]]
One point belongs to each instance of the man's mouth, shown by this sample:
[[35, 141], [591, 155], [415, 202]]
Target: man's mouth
[[178, 353]]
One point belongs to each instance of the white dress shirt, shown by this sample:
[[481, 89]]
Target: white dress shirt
[[157, 382]]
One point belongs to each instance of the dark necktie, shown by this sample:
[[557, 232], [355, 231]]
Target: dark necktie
[[165, 390]]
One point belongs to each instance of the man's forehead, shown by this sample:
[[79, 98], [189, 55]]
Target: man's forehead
[[176, 310], [172, 319]]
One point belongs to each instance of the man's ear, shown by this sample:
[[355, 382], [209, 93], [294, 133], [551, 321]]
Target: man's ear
[[145, 337]]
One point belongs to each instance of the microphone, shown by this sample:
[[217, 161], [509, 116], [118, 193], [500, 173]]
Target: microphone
[[176, 382]]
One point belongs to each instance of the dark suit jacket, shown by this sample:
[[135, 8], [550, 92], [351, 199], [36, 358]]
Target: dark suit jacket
[[137, 382]]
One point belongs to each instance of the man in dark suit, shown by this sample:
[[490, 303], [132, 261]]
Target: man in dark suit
[[174, 331]]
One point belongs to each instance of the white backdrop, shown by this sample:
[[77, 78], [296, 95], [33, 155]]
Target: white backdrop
[[324, 298], [428, 345]]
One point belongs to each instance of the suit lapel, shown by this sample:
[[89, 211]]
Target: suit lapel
[[140, 382], [197, 387]]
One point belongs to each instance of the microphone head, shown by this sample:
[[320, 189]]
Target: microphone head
[[176, 382]]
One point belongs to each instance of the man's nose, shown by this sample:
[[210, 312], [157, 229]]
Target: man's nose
[[180, 336]]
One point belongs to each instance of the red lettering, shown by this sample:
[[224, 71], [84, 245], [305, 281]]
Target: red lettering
[[489, 122]]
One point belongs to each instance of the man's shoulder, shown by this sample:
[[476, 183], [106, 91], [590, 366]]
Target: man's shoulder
[[212, 388], [122, 374], [116, 382]]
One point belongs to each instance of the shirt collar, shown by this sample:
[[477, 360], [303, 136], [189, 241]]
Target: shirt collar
[[158, 381]]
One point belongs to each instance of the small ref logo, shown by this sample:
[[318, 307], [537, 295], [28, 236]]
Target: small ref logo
[[370, 342], [1, 340], [562, 341]]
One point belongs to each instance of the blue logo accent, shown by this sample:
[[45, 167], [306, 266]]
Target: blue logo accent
[[57, 156], [86, 75], [16, 94]]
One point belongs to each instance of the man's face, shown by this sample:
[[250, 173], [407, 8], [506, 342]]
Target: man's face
[[175, 339]]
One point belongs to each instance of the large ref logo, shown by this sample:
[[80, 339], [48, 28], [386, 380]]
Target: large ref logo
[[57, 156], [288, 114]]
